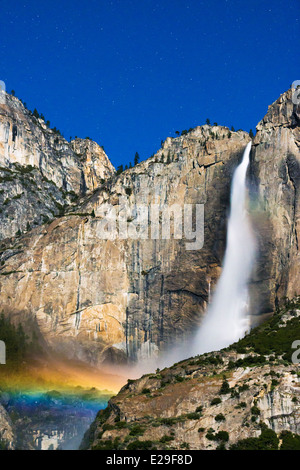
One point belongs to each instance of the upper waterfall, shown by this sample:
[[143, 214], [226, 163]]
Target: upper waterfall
[[226, 318]]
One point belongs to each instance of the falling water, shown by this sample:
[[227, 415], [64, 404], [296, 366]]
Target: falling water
[[226, 319]]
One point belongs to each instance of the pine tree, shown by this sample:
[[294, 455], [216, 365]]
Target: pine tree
[[35, 113], [136, 158]]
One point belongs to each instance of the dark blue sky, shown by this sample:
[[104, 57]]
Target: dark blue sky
[[129, 73]]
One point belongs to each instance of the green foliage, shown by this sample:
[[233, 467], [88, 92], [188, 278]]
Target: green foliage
[[166, 439], [255, 411], [35, 113], [184, 445], [193, 415], [120, 170], [216, 401], [242, 404], [209, 360], [108, 444], [224, 388], [146, 390], [136, 158], [290, 441], [220, 417], [270, 338], [248, 361], [179, 378], [268, 440], [222, 436], [121, 424], [141, 445], [3, 445], [137, 430]]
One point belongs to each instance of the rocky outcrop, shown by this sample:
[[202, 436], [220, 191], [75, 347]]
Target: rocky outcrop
[[7, 438], [275, 172], [40, 172], [200, 403]]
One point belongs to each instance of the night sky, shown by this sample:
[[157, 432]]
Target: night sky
[[129, 73]]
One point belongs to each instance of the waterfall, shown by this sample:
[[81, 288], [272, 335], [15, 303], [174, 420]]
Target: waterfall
[[226, 319], [227, 316]]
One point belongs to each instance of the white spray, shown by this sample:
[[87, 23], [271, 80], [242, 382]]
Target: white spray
[[226, 320]]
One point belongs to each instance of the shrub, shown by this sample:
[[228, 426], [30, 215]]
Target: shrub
[[255, 411], [137, 430], [224, 388], [140, 445], [216, 401], [179, 378], [193, 415], [222, 436], [268, 440], [290, 441], [166, 439], [220, 417], [121, 424]]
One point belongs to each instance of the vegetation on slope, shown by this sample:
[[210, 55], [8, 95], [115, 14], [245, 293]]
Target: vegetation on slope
[[229, 397]]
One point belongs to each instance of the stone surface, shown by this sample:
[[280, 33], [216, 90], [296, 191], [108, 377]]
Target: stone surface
[[40, 172], [180, 402], [275, 173], [7, 437]]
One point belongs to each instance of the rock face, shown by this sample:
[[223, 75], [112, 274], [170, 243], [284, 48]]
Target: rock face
[[190, 405], [7, 437], [275, 172], [127, 298], [122, 298], [40, 172]]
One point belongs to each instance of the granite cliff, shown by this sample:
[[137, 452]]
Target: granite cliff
[[40, 172], [125, 299], [275, 177]]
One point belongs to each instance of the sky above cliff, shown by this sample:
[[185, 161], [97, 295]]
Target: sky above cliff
[[129, 73]]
